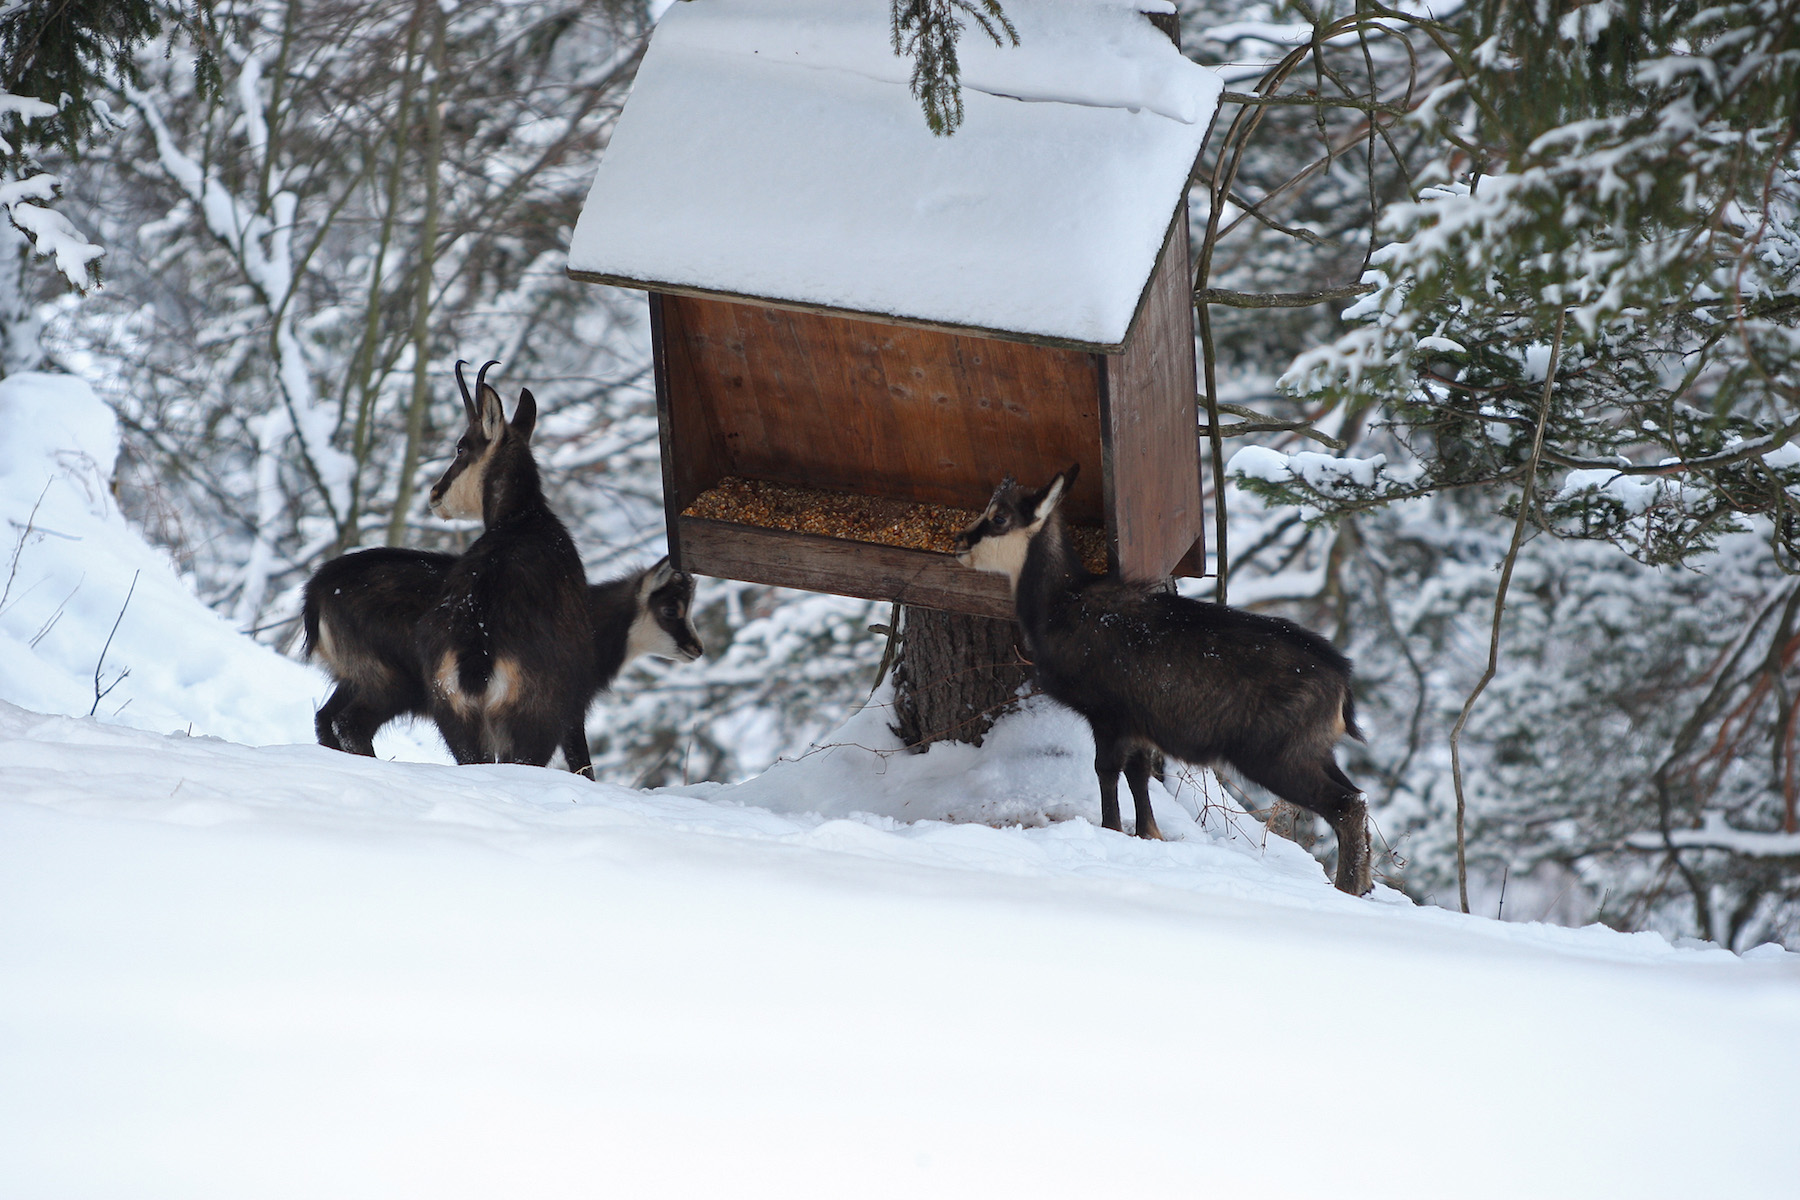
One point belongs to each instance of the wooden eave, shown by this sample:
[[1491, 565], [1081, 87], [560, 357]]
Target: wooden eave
[[880, 318]]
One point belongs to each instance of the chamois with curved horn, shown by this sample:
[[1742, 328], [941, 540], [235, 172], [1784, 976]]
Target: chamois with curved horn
[[504, 650], [1152, 671]]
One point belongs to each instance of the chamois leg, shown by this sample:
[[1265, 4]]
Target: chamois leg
[[325, 720], [356, 728], [1349, 819], [575, 748], [1109, 760], [1323, 788], [528, 742], [1137, 773], [464, 737]]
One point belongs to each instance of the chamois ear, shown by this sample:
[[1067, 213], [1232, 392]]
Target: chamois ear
[[493, 413], [1046, 501], [659, 575], [489, 413], [525, 415]]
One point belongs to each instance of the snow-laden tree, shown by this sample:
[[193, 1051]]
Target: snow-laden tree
[[1583, 216], [298, 258]]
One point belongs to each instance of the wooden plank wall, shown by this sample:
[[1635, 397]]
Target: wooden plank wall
[[870, 409], [1151, 421]]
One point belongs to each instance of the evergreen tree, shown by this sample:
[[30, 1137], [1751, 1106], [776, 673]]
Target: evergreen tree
[[1626, 177]]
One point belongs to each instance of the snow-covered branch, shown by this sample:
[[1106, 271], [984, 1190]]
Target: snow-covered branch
[[258, 233], [52, 235], [1715, 833]]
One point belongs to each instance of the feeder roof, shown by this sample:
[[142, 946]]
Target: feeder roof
[[771, 150]]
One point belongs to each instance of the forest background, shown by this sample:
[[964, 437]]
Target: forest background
[[1501, 302]]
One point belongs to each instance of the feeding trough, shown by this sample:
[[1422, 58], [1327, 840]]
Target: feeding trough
[[859, 326]]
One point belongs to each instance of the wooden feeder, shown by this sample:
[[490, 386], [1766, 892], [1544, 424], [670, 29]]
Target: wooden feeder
[[858, 327]]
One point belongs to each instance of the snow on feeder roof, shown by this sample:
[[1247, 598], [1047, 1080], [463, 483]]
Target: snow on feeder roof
[[771, 151]]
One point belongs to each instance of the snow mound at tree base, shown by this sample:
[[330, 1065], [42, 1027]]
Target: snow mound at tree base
[[288, 972]]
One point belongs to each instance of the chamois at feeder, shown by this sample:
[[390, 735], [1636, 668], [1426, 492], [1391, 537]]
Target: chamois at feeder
[[1151, 671], [361, 619], [504, 649]]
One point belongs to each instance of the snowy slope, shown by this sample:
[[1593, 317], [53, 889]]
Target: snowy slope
[[229, 971], [81, 591], [252, 969]]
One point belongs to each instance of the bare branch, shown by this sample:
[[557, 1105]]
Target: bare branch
[[1233, 299]]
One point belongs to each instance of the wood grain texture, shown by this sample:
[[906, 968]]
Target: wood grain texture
[[874, 409], [844, 568], [1150, 421]]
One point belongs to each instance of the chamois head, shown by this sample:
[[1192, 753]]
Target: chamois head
[[662, 627], [489, 450], [998, 539]]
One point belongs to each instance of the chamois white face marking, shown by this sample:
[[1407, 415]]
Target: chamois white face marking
[[648, 637], [458, 493], [1001, 553], [999, 541], [650, 632]]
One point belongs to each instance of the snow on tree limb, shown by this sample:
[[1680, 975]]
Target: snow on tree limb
[[52, 235]]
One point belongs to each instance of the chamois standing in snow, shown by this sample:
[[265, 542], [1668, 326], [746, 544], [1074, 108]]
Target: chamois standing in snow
[[362, 614], [1155, 671], [504, 648]]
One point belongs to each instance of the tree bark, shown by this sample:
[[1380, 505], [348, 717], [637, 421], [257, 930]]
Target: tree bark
[[955, 676], [428, 249]]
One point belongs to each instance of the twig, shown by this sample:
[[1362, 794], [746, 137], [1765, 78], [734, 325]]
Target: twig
[[19, 547], [1233, 299], [1493, 662], [101, 661]]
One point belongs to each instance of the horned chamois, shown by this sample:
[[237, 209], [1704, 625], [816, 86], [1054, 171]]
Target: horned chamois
[[504, 649], [1152, 671]]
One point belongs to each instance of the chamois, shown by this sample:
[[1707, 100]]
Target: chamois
[[362, 613], [503, 649], [1152, 671]]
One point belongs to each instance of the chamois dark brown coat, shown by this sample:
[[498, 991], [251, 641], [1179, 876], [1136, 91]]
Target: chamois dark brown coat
[[1150, 670], [505, 650], [361, 616], [362, 613]]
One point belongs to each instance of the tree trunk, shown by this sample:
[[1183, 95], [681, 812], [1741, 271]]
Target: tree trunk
[[955, 676], [428, 250]]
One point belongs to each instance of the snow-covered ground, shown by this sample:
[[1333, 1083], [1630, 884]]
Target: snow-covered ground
[[233, 964]]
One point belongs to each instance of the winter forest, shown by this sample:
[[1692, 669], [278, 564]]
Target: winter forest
[[1498, 323]]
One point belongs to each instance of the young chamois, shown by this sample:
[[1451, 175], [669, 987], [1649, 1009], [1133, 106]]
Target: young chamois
[[504, 650], [1155, 671], [362, 614]]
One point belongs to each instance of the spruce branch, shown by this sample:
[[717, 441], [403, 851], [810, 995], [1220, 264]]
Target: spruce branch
[[927, 32]]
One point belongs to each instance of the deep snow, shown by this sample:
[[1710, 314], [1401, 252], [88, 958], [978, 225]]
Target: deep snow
[[282, 971], [239, 965]]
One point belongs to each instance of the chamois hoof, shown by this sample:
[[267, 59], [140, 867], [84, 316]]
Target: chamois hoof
[[1353, 875], [1149, 831]]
